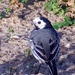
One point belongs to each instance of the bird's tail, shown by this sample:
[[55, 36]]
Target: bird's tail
[[52, 67]]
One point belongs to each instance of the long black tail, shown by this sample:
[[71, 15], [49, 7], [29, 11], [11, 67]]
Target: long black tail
[[52, 67]]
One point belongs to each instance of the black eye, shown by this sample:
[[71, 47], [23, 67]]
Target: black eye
[[39, 22]]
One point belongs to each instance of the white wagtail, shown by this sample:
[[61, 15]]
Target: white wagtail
[[44, 42]]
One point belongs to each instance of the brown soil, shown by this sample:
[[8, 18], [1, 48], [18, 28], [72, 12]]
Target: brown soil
[[14, 46]]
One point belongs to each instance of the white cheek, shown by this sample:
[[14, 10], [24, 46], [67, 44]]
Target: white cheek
[[42, 25]]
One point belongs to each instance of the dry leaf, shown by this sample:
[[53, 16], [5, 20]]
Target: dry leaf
[[70, 3], [15, 4], [69, 14], [72, 10]]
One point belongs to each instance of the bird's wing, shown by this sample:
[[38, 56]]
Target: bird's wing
[[45, 46], [37, 48], [46, 53], [54, 48]]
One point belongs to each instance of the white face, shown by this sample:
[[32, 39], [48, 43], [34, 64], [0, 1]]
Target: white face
[[39, 23]]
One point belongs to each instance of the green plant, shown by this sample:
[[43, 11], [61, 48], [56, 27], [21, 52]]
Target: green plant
[[0, 0], [52, 5], [21, 1], [3, 14], [67, 22], [11, 30], [8, 10], [28, 53]]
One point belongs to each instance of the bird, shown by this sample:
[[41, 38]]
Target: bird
[[44, 42]]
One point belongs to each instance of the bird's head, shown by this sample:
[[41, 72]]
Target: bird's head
[[41, 23]]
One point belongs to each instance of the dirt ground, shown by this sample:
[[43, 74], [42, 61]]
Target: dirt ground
[[14, 46]]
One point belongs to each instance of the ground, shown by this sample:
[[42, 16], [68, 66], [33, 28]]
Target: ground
[[14, 46]]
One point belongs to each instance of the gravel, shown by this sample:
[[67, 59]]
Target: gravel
[[14, 45]]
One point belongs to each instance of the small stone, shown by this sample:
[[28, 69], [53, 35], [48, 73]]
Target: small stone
[[63, 57], [67, 45]]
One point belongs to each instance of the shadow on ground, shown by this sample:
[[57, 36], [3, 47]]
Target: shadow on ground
[[66, 61], [23, 65]]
